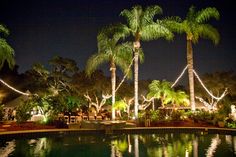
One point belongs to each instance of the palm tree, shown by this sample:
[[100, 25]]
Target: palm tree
[[195, 26], [160, 90], [111, 50], [6, 51], [178, 98], [141, 25]]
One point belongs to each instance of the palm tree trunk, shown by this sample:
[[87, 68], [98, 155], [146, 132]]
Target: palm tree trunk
[[136, 61], [136, 57], [113, 86], [190, 73]]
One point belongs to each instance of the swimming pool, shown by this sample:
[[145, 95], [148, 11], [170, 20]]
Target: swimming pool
[[121, 145]]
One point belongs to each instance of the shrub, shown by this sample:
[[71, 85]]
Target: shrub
[[23, 112], [177, 115], [203, 116], [154, 115], [231, 124]]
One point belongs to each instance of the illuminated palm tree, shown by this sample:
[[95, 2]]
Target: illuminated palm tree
[[195, 26], [178, 98], [160, 90], [111, 50], [142, 26], [6, 51]]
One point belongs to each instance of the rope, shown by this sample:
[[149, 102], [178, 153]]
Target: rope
[[12, 88], [182, 73]]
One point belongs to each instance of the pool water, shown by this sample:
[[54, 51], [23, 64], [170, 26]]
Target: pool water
[[122, 145]]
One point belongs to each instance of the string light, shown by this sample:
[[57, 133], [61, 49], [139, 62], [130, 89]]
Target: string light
[[12, 88], [217, 98], [195, 73], [125, 75], [177, 80]]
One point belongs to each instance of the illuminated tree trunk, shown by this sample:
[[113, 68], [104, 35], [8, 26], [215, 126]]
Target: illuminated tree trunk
[[136, 60], [136, 84], [190, 72], [113, 86]]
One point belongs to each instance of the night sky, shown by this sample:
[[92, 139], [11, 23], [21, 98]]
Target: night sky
[[41, 29]]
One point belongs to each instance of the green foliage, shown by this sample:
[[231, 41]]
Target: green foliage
[[72, 103], [162, 90], [23, 111], [6, 51], [177, 115], [231, 124], [1, 112], [141, 115], [141, 22], [194, 25], [203, 116], [120, 105], [154, 115], [111, 50]]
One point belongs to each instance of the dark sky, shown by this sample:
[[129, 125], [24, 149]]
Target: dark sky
[[41, 29]]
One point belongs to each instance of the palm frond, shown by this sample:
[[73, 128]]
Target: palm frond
[[6, 54], [94, 61], [207, 13], [4, 30], [149, 14], [133, 17], [191, 14], [155, 31], [121, 31], [124, 56], [141, 55], [209, 32], [174, 24]]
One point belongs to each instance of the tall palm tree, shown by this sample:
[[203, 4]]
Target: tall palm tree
[[195, 26], [6, 51], [142, 26], [110, 49]]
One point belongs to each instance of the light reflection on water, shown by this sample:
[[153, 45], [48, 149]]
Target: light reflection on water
[[133, 145]]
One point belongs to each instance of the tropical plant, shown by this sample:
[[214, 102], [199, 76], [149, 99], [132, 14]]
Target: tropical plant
[[6, 51], [142, 26], [195, 26], [120, 106], [177, 98], [160, 90], [111, 50], [23, 111]]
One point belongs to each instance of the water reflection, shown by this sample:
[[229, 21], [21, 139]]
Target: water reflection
[[7, 149], [145, 145]]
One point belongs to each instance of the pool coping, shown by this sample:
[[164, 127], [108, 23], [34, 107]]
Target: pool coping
[[200, 130]]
